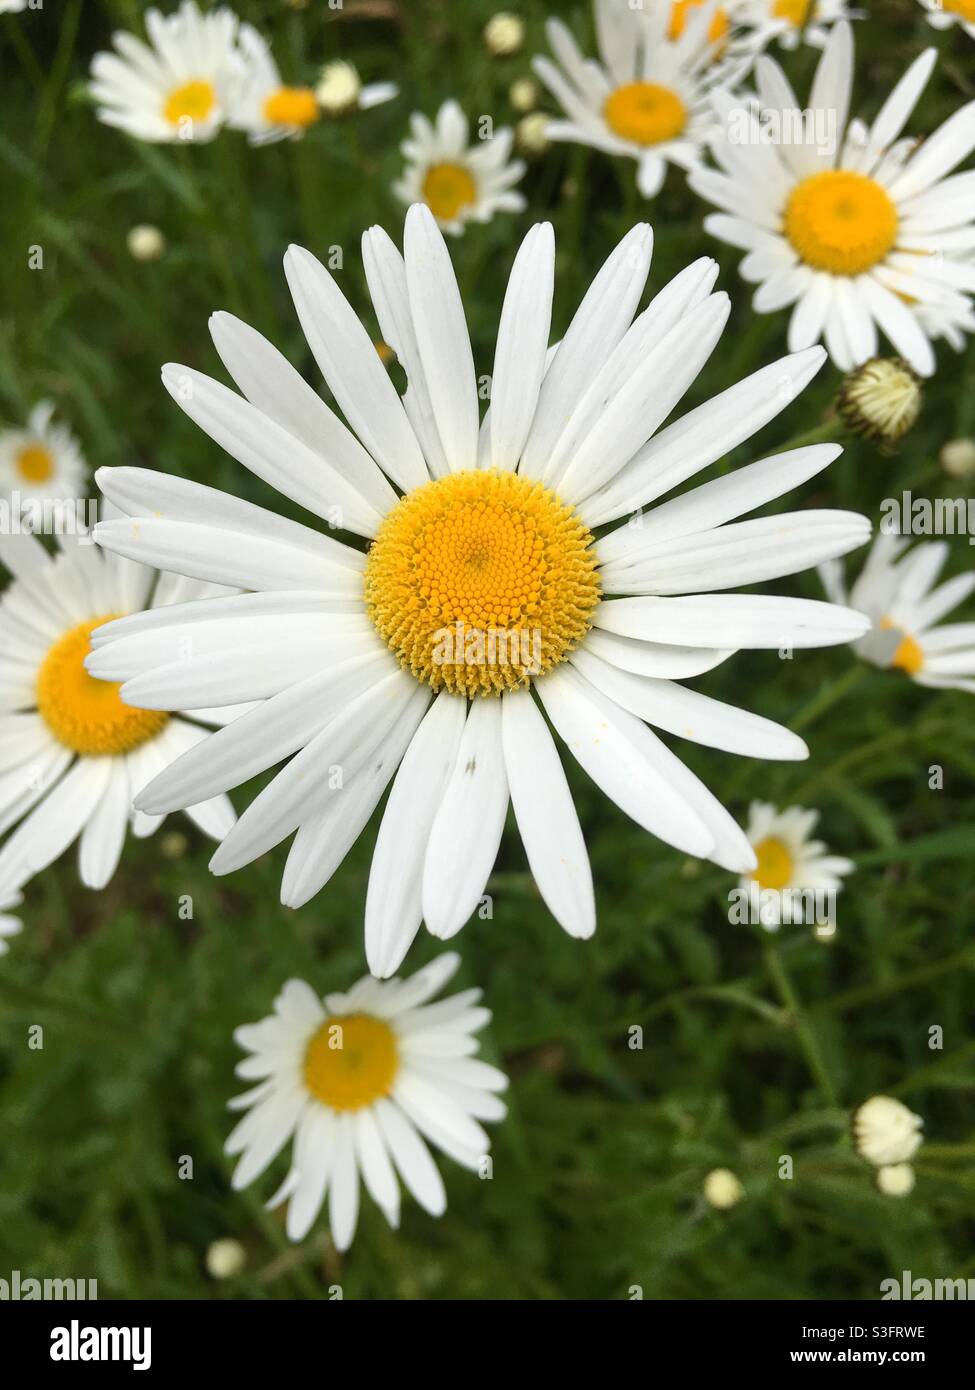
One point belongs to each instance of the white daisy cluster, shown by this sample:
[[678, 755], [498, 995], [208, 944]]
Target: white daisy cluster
[[199, 72]]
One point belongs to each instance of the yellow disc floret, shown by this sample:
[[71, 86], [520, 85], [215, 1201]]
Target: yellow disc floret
[[480, 581], [194, 101], [85, 714], [794, 12], [717, 29], [351, 1061], [840, 221], [448, 189], [35, 464], [645, 113], [775, 863], [965, 9], [296, 106]]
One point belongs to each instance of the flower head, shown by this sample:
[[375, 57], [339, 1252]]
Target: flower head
[[504, 34], [723, 1189], [41, 463], [789, 862], [459, 181], [362, 1080], [881, 400], [886, 1132], [146, 243], [485, 595]]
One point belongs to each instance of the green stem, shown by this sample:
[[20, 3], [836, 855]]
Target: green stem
[[806, 1036], [828, 696]]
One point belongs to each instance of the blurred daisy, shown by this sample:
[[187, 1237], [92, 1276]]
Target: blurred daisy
[[340, 90], [265, 107], [458, 181], [790, 863], [896, 590], [9, 925], [41, 463], [886, 1132], [647, 96], [954, 320], [484, 578], [791, 22], [12, 6], [844, 227], [896, 1180], [180, 85], [945, 14], [361, 1080], [72, 755]]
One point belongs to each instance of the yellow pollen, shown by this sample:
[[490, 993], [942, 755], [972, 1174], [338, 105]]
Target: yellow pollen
[[35, 464], [86, 714], [351, 1061], [775, 864], [908, 657], [385, 352], [965, 9], [481, 580], [794, 11], [448, 189], [296, 106], [645, 113], [194, 101], [840, 221], [717, 29]]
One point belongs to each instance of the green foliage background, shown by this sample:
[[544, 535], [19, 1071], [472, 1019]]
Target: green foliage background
[[754, 1046]]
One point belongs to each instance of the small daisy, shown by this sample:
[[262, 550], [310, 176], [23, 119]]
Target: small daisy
[[647, 96], [896, 590], [41, 463], [944, 14], [265, 107], [886, 1132], [845, 228], [9, 926], [789, 861], [180, 86], [790, 22], [72, 755], [458, 181], [479, 587], [362, 1080], [340, 90]]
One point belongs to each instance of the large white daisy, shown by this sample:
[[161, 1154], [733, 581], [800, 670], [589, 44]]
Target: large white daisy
[[179, 86], [790, 863], [896, 589], [845, 230], [361, 1079], [647, 96], [42, 462], [945, 14], [9, 925], [72, 755], [459, 181], [483, 577]]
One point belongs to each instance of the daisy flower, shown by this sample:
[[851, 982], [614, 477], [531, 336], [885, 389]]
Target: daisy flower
[[886, 1132], [9, 925], [647, 95], [265, 107], [790, 22], [845, 229], [361, 1080], [789, 862], [945, 14], [458, 181], [41, 463], [180, 85], [483, 578], [896, 590], [71, 753]]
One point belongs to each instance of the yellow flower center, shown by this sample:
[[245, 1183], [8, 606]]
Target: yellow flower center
[[840, 221], [448, 189], [775, 864], [795, 11], [351, 1061], [35, 464], [480, 581], [85, 714], [908, 657], [296, 106], [965, 9], [194, 101], [717, 29], [645, 112]]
